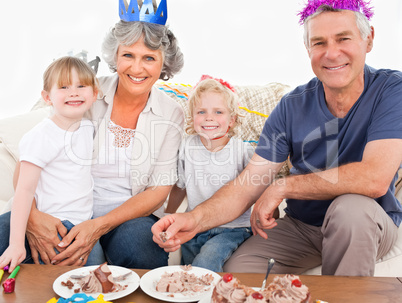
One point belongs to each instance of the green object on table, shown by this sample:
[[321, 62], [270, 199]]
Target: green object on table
[[14, 273]]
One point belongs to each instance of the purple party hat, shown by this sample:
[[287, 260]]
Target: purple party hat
[[360, 6]]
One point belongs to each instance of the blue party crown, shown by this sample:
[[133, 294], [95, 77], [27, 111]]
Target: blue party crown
[[133, 12]]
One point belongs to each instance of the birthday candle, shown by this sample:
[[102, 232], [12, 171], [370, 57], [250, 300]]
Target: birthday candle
[[1, 274]]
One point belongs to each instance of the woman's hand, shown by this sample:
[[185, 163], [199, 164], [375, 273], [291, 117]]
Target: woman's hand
[[42, 230], [78, 243]]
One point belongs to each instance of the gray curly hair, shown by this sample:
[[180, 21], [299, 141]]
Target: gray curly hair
[[155, 37]]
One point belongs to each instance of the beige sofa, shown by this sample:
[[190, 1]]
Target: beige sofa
[[256, 101]]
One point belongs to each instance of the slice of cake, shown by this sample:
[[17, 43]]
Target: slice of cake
[[99, 280], [288, 288], [184, 282]]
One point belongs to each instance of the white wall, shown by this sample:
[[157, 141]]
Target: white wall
[[244, 42]]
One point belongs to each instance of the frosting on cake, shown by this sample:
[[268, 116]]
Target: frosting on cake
[[287, 289]]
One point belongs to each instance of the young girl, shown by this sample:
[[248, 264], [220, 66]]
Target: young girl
[[55, 157], [209, 159]]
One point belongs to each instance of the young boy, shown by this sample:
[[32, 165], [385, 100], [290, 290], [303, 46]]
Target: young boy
[[209, 159]]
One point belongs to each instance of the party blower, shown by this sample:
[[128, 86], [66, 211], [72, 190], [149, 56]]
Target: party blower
[[9, 284]]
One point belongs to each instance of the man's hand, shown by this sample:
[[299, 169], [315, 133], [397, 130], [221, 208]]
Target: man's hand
[[42, 230], [265, 209], [178, 228]]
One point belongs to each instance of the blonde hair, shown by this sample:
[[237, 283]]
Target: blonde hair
[[211, 85], [59, 72]]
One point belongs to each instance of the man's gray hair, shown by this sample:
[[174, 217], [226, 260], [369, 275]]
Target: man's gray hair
[[361, 20]]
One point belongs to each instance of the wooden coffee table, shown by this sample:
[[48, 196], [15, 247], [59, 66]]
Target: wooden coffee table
[[34, 284]]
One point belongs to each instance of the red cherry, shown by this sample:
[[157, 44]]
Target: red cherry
[[257, 296], [297, 283], [227, 277]]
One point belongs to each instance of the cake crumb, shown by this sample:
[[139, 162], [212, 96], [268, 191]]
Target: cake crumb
[[164, 236], [68, 284], [186, 267]]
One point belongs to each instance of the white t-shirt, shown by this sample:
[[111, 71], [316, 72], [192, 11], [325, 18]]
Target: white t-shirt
[[65, 185], [202, 173]]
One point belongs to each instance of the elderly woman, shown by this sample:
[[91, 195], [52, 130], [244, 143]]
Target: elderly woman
[[139, 130]]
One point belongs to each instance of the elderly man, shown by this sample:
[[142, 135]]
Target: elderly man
[[343, 134]]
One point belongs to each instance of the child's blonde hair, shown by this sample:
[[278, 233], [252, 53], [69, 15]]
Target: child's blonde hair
[[212, 85], [59, 72]]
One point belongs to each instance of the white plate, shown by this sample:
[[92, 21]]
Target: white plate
[[132, 282], [149, 280], [205, 300], [208, 299]]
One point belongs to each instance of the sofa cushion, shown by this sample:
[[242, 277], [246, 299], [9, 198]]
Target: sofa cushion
[[7, 165], [11, 131]]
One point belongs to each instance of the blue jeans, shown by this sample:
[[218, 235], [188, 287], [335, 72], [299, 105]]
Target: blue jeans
[[94, 258], [130, 245], [212, 248]]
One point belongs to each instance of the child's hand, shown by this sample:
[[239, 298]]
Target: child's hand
[[12, 256]]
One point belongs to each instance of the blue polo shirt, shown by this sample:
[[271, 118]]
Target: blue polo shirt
[[302, 127]]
